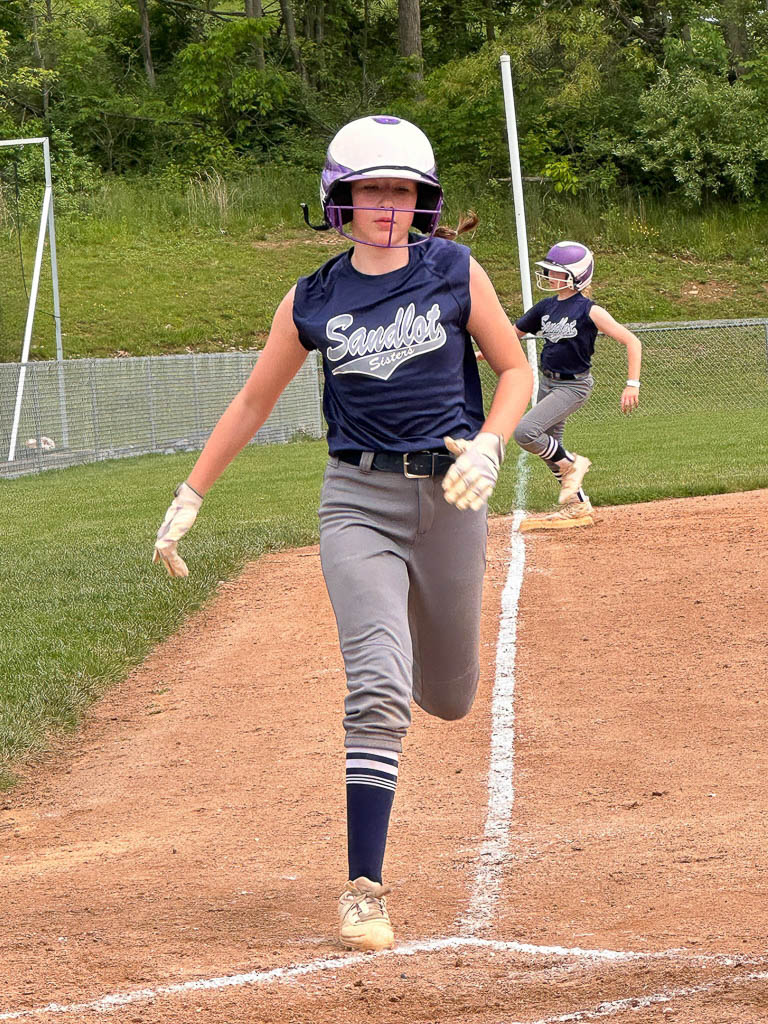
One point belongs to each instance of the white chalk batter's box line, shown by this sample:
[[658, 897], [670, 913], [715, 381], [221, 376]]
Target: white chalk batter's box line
[[117, 1000]]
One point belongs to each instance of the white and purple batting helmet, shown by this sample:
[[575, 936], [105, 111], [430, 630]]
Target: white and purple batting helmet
[[573, 259], [380, 147]]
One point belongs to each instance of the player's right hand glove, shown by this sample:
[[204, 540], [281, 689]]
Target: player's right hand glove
[[471, 479], [179, 519]]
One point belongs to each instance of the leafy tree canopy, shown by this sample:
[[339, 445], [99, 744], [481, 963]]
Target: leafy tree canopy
[[664, 98]]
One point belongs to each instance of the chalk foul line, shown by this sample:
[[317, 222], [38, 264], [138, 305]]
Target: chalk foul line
[[117, 1000], [608, 1009], [486, 884]]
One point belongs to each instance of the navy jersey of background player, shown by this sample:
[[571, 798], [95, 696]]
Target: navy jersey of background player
[[568, 333], [400, 371]]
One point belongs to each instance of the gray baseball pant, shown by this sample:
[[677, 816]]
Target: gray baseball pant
[[555, 402], [404, 571]]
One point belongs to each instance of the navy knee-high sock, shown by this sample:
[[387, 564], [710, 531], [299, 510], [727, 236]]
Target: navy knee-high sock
[[371, 783]]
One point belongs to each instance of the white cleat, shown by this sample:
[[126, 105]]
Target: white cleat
[[571, 476], [363, 919]]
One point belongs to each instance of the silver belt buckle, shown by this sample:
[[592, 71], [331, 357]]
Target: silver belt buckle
[[416, 476]]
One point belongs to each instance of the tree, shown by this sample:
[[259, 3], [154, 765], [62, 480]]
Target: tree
[[146, 43], [409, 32], [253, 9], [37, 50], [290, 31]]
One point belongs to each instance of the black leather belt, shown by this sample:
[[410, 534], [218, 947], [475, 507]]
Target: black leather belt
[[410, 464], [565, 376]]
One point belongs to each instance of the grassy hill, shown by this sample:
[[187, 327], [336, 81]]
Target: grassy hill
[[152, 267]]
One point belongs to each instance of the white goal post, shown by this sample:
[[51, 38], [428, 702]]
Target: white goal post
[[46, 225]]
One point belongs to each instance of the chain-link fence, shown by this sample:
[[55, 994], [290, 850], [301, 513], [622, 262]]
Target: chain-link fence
[[85, 410], [707, 366], [94, 409]]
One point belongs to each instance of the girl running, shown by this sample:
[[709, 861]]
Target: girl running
[[412, 463], [569, 321]]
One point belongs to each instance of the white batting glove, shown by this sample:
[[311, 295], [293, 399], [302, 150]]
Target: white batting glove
[[471, 479], [179, 519]]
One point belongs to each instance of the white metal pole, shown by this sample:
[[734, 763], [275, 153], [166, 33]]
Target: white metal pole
[[517, 180], [52, 244], [21, 142], [30, 321], [517, 193], [56, 303]]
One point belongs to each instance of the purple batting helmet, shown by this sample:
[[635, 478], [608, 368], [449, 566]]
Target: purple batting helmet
[[573, 259], [380, 147]]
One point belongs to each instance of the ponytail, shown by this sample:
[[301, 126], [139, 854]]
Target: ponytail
[[467, 222]]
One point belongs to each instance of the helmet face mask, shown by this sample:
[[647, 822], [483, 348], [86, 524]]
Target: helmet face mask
[[381, 147], [545, 282], [574, 261]]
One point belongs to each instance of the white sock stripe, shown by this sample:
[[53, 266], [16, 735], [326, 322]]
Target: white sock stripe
[[372, 773], [369, 779], [379, 766], [362, 780], [550, 449]]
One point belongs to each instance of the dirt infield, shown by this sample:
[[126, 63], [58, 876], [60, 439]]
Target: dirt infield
[[186, 850]]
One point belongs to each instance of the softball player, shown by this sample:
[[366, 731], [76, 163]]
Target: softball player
[[412, 462], [569, 321]]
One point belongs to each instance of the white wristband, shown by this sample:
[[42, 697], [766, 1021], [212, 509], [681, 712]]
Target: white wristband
[[633, 383]]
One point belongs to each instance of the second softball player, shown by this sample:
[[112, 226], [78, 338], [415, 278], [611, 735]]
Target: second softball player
[[568, 322]]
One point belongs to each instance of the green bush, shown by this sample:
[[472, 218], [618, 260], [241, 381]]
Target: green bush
[[700, 136], [219, 83], [576, 95]]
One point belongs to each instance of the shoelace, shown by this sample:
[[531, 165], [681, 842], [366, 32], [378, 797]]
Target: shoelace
[[371, 906], [368, 904]]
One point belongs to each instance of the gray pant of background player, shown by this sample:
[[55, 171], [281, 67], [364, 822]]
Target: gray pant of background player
[[555, 402], [404, 571]]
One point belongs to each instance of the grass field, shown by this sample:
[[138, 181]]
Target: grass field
[[157, 267], [82, 600]]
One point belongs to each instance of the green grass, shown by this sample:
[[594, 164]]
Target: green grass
[[166, 294], [82, 601], [151, 267], [640, 459]]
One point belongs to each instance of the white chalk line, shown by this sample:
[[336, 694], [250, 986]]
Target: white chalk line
[[117, 1000], [486, 884], [609, 1009]]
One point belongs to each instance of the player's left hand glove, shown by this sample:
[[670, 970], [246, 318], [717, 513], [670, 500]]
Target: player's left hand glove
[[178, 520], [471, 479]]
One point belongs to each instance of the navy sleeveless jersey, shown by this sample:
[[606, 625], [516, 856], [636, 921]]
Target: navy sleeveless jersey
[[400, 371], [568, 333]]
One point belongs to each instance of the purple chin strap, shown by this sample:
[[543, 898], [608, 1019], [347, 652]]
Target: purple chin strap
[[335, 216]]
